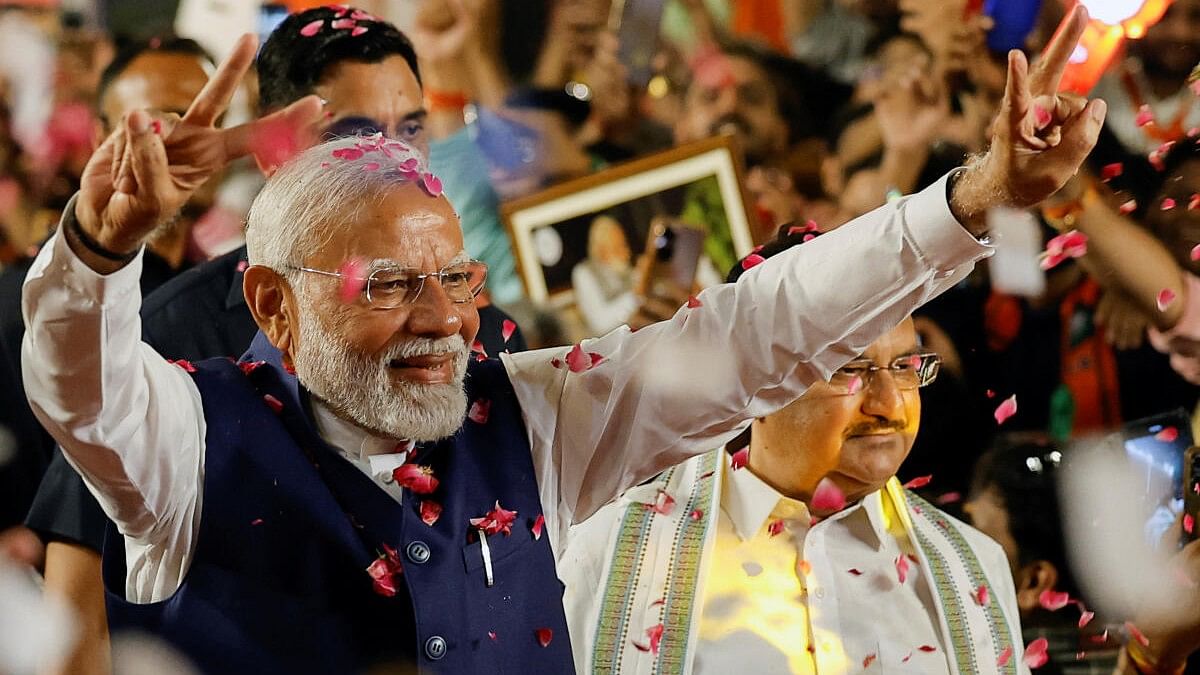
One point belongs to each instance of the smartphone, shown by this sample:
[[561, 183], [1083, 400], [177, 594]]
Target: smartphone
[[1155, 448], [1191, 493], [676, 248], [637, 27]]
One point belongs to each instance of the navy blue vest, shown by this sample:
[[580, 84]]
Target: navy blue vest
[[288, 528]]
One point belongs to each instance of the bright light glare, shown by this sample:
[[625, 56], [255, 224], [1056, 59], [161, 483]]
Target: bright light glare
[[1112, 12]]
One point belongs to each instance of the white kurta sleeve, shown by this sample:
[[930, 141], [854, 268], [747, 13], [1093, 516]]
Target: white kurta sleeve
[[684, 386], [130, 422]]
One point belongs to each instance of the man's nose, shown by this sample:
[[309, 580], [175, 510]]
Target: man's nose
[[882, 397], [433, 313]]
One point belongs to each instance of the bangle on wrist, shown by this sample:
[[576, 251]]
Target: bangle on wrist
[[439, 101], [1063, 217], [1143, 664], [94, 246]]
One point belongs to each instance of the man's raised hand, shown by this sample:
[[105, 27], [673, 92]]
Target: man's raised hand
[[1040, 137], [144, 172]]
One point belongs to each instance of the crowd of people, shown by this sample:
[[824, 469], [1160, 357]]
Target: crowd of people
[[274, 396]]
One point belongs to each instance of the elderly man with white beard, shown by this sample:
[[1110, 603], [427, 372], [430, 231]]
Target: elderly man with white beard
[[329, 509]]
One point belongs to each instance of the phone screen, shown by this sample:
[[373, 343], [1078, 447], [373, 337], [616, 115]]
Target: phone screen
[[638, 35], [1155, 448], [677, 250]]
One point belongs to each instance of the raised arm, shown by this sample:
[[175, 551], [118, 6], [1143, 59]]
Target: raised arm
[[681, 387], [130, 422]]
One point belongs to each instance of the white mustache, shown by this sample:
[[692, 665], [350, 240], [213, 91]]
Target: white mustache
[[426, 347]]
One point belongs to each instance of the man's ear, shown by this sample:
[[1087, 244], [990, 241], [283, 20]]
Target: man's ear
[[273, 305], [1032, 580]]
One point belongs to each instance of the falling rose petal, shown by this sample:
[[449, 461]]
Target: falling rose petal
[[430, 512], [739, 458], [477, 347], [538, 524], [1111, 171], [868, 660], [664, 503], [1053, 600], [775, 527], [1128, 207], [981, 596], [577, 360], [415, 477], [353, 280], [694, 302], [492, 635], [1137, 634], [312, 28], [1189, 523], [1005, 657], [1144, 116], [507, 328], [1072, 244], [497, 520], [696, 514], [185, 364], [1035, 653], [432, 184], [1167, 435], [257, 521], [479, 411], [1006, 409], [855, 386], [1085, 618], [273, 403], [544, 636], [1041, 117], [752, 260], [1165, 297], [854, 571], [918, 482], [1194, 202], [828, 497], [901, 568], [1167, 204], [1195, 255]]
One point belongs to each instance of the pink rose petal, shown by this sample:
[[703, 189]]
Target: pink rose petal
[[901, 568], [664, 503], [1053, 600], [1128, 207], [775, 527], [696, 514], [927, 648], [1189, 523], [1111, 171], [495, 521], [1005, 657], [1165, 297], [354, 280], [507, 329], [479, 411], [948, 498], [1137, 634], [544, 636], [1194, 202], [1035, 653], [828, 497], [1085, 617], [185, 364], [739, 458], [1167, 435], [752, 260], [358, 30], [342, 24], [868, 660], [1041, 117], [430, 512], [312, 28], [492, 635], [577, 360], [694, 302], [257, 521], [1167, 204], [477, 347], [416, 477], [654, 636], [273, 403], [538, 524], [432, 184], [1006, 409], [981, 596], [1144, 116]]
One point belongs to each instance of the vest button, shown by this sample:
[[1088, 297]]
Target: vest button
[[435, 648], [418, 552]]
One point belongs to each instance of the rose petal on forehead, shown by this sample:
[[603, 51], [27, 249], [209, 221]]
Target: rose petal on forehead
[[1167, 435], [538, 524], [507, 328], [312, 28], [828, 496], [1165, 297], [1006, 409], [918, 482], [1111, 171], [1144, 116], [739, 458], [353, 280], [1128, 207]]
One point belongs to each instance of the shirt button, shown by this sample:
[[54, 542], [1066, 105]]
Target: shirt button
[[435, 648], [418, 552]]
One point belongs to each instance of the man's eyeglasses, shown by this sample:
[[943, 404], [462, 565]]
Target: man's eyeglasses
[[392, 287], [909, 372]]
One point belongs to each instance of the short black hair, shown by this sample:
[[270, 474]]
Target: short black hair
[[291, 64], [167, 44], [1023, 468]]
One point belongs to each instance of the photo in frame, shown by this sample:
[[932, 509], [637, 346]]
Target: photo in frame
[[578, 244]]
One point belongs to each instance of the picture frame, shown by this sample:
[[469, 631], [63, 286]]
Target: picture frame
[[570, 235]]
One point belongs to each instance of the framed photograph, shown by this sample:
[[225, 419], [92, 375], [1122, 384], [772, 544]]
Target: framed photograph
[[578, 244]]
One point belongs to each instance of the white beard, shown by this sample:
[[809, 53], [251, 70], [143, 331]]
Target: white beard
[[359, 388]]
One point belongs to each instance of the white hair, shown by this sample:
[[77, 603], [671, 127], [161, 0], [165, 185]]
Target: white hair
[[323, 189]]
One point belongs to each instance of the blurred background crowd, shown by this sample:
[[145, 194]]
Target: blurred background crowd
[[836, 106]]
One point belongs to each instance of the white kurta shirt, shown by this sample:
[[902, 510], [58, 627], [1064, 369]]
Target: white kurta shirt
[[841, 610], [134, 427]]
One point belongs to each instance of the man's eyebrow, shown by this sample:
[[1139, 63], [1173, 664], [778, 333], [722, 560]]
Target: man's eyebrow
[[416, 116]]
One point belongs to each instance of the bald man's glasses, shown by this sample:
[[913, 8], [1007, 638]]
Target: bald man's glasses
[[392, 287], [908, 372]]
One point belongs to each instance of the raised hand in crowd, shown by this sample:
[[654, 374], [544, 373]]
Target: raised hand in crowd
[[1039, 139], [140, 175]]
